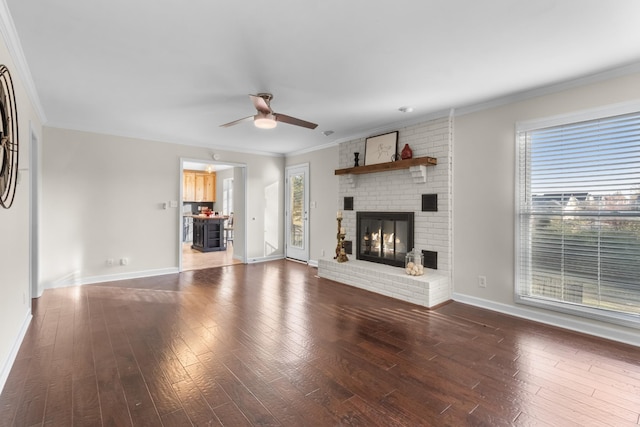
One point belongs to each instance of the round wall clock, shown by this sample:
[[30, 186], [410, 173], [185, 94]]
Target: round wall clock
[[9, 147]]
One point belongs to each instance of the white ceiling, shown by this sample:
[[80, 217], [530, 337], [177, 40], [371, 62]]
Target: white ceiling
[[174, 70]]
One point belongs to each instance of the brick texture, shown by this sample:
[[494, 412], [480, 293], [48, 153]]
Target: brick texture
[[397, 191]]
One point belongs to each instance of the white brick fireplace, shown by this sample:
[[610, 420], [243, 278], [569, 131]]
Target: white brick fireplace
[[401, 191]]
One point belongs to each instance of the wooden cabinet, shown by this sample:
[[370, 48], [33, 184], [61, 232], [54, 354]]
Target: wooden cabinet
[[210, 187], [199, 186], [189, 186]]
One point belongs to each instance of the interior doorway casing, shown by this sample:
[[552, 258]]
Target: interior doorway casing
[[34, 208], [239, 216]]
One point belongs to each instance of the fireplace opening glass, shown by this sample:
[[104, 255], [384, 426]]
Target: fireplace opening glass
[[384, 237]]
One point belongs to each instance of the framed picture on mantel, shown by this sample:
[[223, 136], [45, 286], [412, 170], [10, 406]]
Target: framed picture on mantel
[[381, 148]]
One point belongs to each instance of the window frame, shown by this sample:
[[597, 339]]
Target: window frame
[[620, 318]]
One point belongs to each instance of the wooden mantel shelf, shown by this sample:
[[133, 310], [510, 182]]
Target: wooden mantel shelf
[[389, 166]]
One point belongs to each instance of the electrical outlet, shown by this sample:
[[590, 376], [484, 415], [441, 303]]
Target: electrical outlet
[[323, 252], [124, 261], [482, 281]]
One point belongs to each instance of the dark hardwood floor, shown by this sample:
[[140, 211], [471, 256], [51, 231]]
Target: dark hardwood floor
[[272, 344]]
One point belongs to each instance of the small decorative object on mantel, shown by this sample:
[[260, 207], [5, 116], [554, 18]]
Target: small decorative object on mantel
[[341, 255], [406, 153], [381, 148], [413, 263], [356, 160]]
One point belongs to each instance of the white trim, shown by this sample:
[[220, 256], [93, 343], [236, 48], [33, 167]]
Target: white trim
[[34, 205], [180, 216], [11, 358], [579, 116], [245, 209], [10, 35], [312, 149], [395, 126], [521, 190], [264, 259], [151, 138], [72, 280], [313, 263], [550, 89], [415, 120], [244, 167], [550, 318], [517, 179]]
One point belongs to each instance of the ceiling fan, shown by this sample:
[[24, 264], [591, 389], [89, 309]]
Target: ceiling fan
[[266, 118]]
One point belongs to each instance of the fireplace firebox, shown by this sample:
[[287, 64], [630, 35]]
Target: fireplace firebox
[[384, 237]]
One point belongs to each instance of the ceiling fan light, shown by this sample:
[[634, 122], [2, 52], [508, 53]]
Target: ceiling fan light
[[265, 121]]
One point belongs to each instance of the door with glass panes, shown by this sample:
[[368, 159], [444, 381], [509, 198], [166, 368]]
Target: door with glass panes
[[297, 212]]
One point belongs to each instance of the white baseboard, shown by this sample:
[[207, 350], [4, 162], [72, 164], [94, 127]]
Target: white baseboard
[[264, 259], [8, 364], [79, 281], [313, 263], [549, 318]]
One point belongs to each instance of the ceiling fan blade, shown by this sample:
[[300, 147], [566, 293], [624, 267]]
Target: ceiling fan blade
[[293, 121], [235, 122], [260, 103]]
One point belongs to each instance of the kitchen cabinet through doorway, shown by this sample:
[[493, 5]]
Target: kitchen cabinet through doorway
[[199, 186]]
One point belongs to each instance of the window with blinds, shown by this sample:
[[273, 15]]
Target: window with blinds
[[578, 224]]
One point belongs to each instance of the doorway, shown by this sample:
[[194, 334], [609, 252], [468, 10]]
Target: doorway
[[217, 200], [297, 212], [35, 290]]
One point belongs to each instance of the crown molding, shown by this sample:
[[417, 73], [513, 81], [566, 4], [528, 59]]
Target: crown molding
[[133, 136], [593, 78], [12, 41], [312, 149], [416, 120]]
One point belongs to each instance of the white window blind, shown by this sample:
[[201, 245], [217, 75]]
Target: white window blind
[[579, 217]]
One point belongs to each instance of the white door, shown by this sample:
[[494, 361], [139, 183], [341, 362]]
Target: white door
[[297, 212]]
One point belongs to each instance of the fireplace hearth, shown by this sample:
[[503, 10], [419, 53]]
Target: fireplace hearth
[[384, 237]]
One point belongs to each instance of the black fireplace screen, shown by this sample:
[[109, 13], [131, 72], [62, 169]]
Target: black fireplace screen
[[384, 237]]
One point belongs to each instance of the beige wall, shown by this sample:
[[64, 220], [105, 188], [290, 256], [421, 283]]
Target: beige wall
[[484, 197], [103, 196], [15, 301]]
